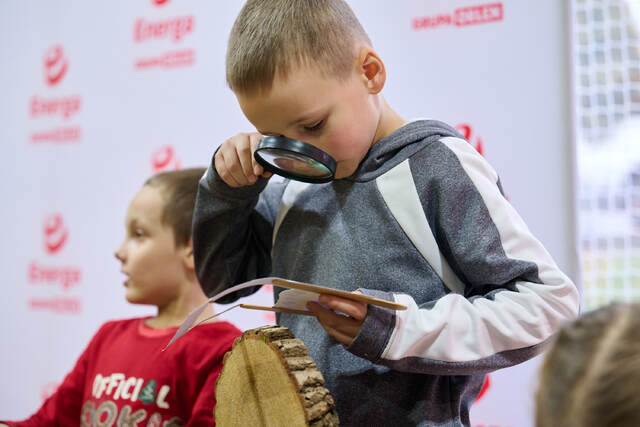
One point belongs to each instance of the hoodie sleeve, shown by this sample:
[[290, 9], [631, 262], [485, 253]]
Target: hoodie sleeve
[[232, 231], [507, 296]]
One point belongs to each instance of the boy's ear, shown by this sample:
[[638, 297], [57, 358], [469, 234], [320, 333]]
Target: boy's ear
[[372, 70], [187, 255]]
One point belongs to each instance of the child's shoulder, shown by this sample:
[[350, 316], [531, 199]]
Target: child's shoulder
[[449, 157], [113, 331], [206, 341], [119, 326], [216, 329], [121, 323]]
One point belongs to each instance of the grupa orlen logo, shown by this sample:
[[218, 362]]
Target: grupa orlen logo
[[55, 233], [55, 65], [164, 159]]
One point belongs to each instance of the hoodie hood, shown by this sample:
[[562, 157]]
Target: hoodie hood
[[399, 146]]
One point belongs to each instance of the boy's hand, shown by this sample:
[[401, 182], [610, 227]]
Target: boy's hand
[[342, 327], [235, 163]]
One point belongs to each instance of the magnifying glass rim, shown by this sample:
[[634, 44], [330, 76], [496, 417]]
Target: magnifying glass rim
[[299, 148]]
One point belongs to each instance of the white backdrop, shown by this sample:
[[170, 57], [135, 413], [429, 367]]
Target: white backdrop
[[96, 96]]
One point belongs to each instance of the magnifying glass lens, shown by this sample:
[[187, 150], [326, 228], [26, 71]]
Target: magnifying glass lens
[[295, 163], [295, 159]]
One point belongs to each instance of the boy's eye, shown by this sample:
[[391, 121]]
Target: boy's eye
[[138, 233], [314, 127]]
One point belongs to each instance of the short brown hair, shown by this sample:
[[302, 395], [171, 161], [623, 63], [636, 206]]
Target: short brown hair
[[181, 188], [591, 374], [269, 37]]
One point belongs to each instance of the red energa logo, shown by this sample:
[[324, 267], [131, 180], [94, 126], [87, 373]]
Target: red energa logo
[[55, 65], [55, 233]]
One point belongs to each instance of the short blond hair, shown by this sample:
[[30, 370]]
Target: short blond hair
[[590, 375], [179, 189], [270, 37]]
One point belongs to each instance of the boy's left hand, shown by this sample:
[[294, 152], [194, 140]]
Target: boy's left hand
[[342, 327]]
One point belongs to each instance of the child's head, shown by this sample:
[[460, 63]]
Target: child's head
[[307, 70], [273, 37], [156, 253], [591, 374]]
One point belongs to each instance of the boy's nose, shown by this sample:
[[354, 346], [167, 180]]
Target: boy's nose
[[119, 254]]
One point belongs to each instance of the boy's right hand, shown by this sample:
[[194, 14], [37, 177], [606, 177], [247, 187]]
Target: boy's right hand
[[235, 163]]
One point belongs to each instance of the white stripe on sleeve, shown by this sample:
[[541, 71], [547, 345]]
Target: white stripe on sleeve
[[456, 329]]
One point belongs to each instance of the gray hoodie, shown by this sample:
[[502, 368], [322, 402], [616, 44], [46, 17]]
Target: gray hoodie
[[422, 222]]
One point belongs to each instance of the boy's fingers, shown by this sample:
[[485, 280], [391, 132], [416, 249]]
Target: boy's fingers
[[222, 170], [254, 139], [245, 156], [355, 309], [342, 328], [233, 164]]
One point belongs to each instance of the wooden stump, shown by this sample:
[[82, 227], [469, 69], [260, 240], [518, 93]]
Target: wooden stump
[[268, 380]]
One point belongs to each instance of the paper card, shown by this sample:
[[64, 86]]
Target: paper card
[[295, 299]]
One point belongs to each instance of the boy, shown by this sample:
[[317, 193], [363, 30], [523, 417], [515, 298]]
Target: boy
[[414, 215], [123, 377]]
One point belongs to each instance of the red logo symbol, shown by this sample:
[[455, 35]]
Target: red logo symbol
[[467, 131], [164, 158], [55, 233], [159, 2], [55, 65]]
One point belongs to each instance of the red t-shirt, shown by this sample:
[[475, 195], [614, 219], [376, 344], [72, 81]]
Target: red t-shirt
[[124, 378]]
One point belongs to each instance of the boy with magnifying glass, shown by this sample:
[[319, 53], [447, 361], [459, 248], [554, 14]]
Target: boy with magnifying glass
[[410, 213]]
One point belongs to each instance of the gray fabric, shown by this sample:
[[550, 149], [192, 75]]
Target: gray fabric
[[343, 236], [223, 231]]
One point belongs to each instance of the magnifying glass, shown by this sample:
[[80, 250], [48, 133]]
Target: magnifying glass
[[295, 159]]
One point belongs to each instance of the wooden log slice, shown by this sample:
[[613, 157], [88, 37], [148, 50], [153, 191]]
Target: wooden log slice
[[269, 380]]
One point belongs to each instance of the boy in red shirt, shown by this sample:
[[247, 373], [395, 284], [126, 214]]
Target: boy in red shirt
[[123, 377]]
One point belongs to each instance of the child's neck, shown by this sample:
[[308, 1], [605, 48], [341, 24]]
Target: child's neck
[[389, 122], [174, 313]]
